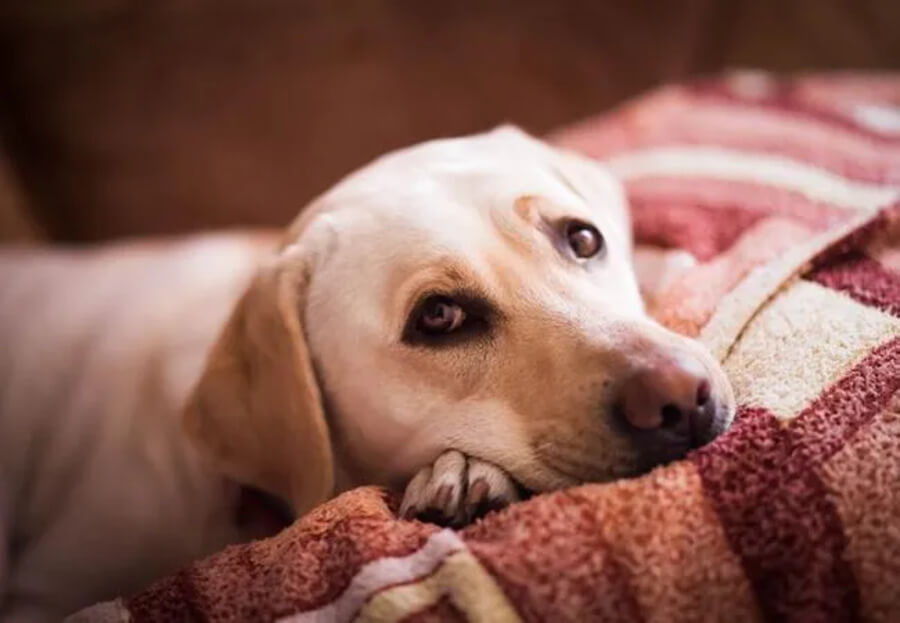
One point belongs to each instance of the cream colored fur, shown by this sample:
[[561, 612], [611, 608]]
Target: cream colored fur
[[308, 387]]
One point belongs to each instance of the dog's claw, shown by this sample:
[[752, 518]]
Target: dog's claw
[[456, 490]]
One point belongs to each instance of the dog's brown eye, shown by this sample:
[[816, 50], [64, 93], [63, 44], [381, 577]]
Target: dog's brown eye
[[440, 315], [584, 239]]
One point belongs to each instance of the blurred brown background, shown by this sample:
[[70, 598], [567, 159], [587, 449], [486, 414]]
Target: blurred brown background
[[130, 117]]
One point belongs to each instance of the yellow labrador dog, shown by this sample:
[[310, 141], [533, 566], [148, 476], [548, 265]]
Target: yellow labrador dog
[[460, 319]]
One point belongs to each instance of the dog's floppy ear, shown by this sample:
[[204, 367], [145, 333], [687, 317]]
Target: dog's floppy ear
[[256, 410]]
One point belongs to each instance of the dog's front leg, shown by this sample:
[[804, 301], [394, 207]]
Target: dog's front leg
[[457, 489]]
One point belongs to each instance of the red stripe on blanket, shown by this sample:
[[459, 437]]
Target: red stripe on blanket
[[314, 562], [737, 125], [779, 520], [823, 427], [705, 217], [550, 558], [755, 197], [783, 100], [864, 478], [863, 279], [703, 231], [763, 481], [678, 116], [886, 220]]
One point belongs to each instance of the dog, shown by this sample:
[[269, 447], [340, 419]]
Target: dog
[[459, 320]]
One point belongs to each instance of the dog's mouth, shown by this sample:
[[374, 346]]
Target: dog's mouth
[[660, 447], [639, 451], [524, 492]]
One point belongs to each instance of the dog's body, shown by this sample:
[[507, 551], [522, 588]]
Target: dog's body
[[449, 317], [100, 489]]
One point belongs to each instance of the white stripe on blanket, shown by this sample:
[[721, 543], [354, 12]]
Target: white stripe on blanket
[[380, 574], [759, 168]]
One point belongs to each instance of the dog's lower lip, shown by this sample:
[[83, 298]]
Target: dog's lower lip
[[524, 492], [696, 434], [711, 430]]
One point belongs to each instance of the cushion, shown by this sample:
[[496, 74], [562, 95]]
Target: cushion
[[781, 198]]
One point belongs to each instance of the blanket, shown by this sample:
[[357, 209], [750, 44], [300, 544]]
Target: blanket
[[780, 199]]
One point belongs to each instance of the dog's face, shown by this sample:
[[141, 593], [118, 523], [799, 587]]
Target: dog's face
[[474, 294]]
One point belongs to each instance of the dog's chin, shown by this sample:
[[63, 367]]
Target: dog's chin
[[648, 454], [656, 450], [541, 477], [641, 463], [548, 475], [661, 455], [553, 480], [647, 451]]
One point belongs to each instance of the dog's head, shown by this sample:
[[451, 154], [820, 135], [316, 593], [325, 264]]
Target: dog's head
[[474, 294]]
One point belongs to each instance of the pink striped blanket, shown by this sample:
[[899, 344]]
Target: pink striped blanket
[[780, 200]]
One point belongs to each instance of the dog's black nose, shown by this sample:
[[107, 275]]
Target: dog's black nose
[[673, 394]]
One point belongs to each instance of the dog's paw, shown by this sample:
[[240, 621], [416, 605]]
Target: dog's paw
[[457, 489]]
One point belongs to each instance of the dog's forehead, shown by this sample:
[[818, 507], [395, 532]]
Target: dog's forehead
[[470, 171], [447, 187], [447, 203], [440, 203], [474, 178]]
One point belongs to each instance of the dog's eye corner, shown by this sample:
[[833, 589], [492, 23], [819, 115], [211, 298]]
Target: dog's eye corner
[[584, 239]]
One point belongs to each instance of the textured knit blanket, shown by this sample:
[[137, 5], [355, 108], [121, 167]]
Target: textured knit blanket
[[779, 202]]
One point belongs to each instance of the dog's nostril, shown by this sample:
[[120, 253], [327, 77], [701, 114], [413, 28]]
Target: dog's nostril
[[703, 393], [671, 415]]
